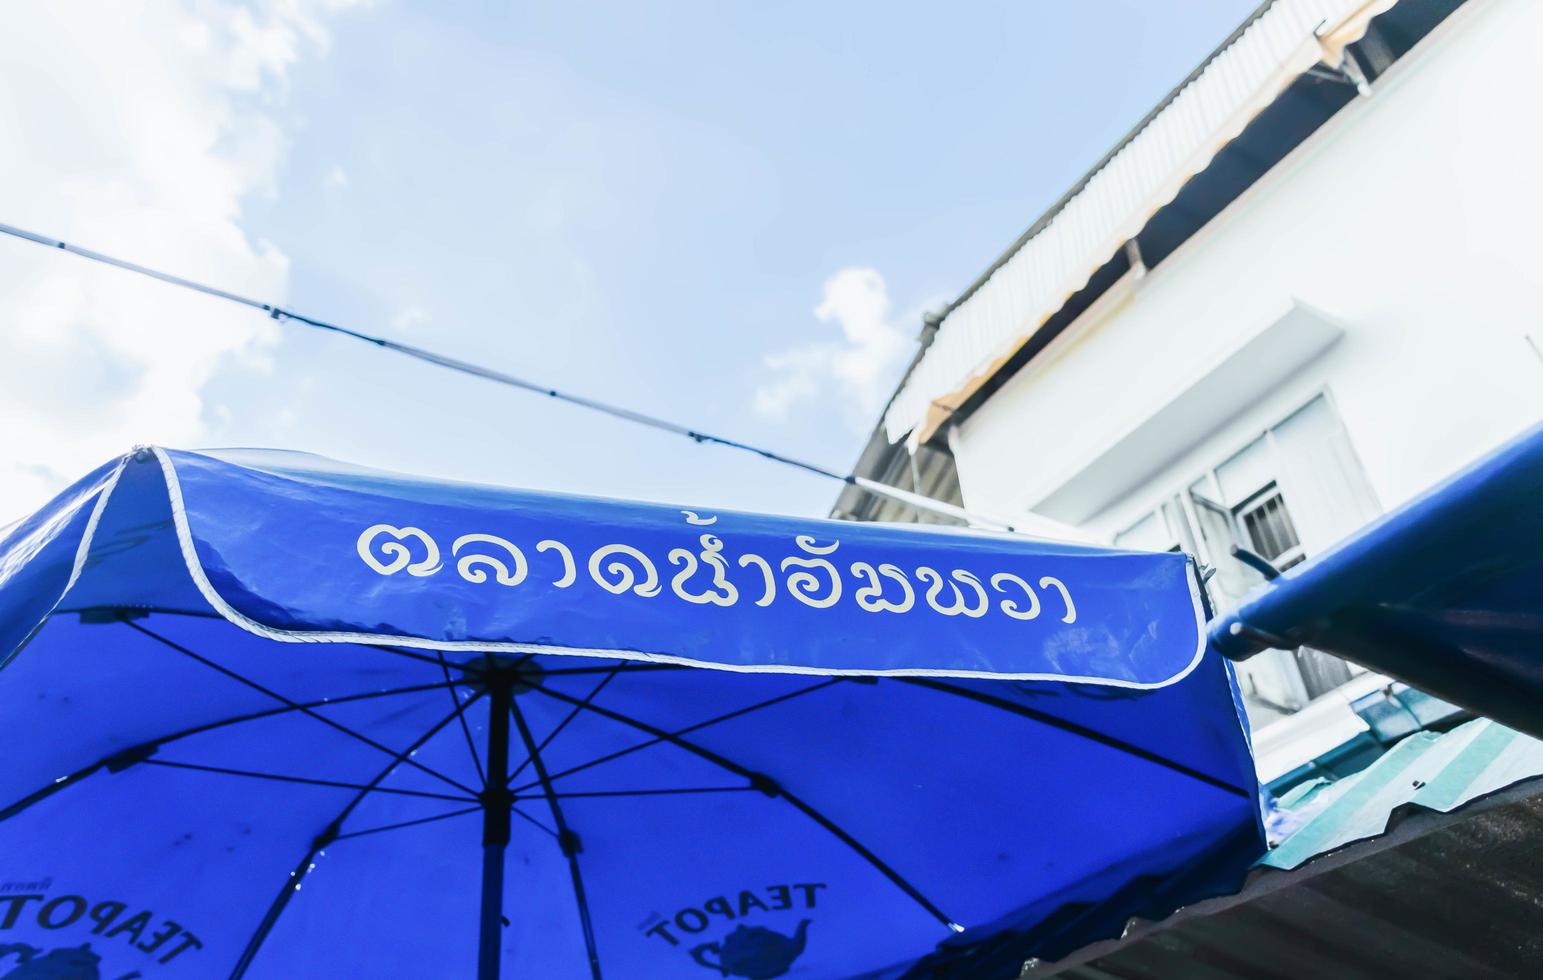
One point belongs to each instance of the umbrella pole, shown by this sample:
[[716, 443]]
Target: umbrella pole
[[496, 801]]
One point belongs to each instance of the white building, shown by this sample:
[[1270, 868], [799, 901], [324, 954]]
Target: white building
[[1307, 287]]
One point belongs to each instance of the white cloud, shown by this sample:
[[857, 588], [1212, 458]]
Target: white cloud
[[859, 370], [408, 319], [135, 129], [336, 179]]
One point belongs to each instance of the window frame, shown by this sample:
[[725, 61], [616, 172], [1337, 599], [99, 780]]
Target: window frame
[[1206, 473], [1190, 537], [1257, 500]]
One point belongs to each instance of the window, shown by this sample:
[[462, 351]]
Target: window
[[1295, 487], [1267, 526]]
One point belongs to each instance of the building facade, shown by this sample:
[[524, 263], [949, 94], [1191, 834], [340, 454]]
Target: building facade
[[1306, 288]]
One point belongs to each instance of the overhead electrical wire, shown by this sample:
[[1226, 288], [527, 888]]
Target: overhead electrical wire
[[916, 500]]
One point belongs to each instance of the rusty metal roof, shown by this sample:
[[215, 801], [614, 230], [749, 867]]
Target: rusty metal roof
[[1426, 864]]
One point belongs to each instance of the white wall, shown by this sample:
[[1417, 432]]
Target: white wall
[[1414, 220]]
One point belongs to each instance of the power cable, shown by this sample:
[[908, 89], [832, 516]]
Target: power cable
[[278, 313]]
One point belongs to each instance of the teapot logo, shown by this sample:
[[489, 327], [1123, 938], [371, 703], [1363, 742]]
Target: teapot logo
[[754, 952], [64, 963], [108, 924]]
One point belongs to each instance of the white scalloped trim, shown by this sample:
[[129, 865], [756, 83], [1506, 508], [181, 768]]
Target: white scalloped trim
[[201, 580], [83, 550]]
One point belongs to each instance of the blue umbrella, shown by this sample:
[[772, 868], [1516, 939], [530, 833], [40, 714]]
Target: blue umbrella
[[1444, 592], [267, 715]]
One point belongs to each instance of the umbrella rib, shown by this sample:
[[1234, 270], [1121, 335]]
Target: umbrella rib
[[572, 713], [641, 792], [567, 841], [460, 714], [665, 737], [687, 730], [1081, 730], [533, 821], [766, 785], [410, 823], [196, 614], [131, 754], [172, 644], [328, 835], [624, 667], [304, 780], [415, 655]]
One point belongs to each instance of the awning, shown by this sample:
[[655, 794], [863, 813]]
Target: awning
[[1445, 593], [1064, 249]]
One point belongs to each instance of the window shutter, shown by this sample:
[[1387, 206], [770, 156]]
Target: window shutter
[[1320, 477]]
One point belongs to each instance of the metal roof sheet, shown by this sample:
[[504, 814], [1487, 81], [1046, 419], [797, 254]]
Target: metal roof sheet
[[1108, 207], [1424, 864], [1427, 770]]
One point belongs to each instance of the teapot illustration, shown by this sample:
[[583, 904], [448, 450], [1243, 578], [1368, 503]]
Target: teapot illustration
[[754, 952], [64, 963]]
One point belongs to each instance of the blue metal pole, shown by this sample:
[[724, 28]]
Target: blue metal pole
[[496, 801]]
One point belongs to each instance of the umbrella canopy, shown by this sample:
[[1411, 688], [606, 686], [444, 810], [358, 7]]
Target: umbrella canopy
[[1445, 593], [268, 715]]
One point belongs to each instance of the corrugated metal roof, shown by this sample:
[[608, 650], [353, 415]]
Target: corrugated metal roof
[[1426, 770], [1425, 864], [1113, 203]]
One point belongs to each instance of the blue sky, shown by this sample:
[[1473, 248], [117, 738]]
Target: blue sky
[[727, 214]]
